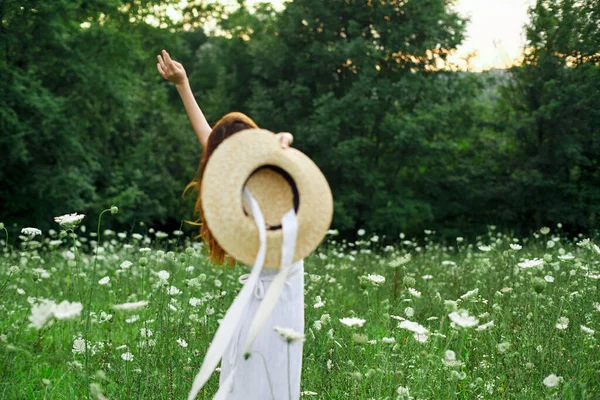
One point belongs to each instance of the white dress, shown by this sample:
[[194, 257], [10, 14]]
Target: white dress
[[251, 379]]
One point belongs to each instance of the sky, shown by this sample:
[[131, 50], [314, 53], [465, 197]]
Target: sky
[[491, 20], [495, 32]]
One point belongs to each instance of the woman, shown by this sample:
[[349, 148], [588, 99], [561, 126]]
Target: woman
[[268, 373]]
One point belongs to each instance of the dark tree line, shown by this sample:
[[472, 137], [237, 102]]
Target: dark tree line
[[406, 141]]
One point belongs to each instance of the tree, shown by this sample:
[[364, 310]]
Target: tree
[[551, 109]]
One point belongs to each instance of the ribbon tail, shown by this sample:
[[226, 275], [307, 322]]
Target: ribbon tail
[[228, 325], [289, 225], [225, 388]]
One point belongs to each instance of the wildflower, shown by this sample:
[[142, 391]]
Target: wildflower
[[503, 347], [145, 332], [420, 332], [218, 283], [31, 232], [597, 306], [388, 340], [182, 343], [403, 392], [375, 239], [194, 302], [319, 303], [450, 360], [470, 293], [126, 264], [173, 291], [563, 323], [516, 247], [145, 250], [104, 317], [536, 262], [597, 249], [584, 243], [587, 330], [163, 275], [485, 248], [143, 261], [545, 230], [463, 319], [459, 239], [409, 311], [69, 221], [414, 292], [114, 210], [361, 232], [67, 310], [41, 313], [375, 279], [552, 380], [130, 306], [104, 281], [177, 232], [78, 346], [352, 321], [485, 326], [127, 356], [289, 334], [132, 319]]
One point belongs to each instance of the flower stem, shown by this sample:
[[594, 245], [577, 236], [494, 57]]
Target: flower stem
[[268, 375], [92, 285], [289, 372]]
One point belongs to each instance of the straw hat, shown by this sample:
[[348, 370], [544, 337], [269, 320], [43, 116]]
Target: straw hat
[[278, 179]]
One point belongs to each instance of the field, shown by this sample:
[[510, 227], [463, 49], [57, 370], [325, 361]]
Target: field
[[499, 317]]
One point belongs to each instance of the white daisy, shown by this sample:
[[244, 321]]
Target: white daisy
[[552, 380], [352, 321], [463, 319], [69, 220], [289, 334], [130, 306], [536, 262], [31, 232]]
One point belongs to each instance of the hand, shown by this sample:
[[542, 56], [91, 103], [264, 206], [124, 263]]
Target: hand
[[171, 70], [285, 138]]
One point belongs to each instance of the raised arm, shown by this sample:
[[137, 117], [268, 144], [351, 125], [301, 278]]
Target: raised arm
[[173, 71]]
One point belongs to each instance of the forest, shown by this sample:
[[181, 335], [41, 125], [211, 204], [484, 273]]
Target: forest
[[406, 140]]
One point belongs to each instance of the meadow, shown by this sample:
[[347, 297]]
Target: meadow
[[131, 317]]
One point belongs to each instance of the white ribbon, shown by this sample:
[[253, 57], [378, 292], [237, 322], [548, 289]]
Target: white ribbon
[[227, 329]]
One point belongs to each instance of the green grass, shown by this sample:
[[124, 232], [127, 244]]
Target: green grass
[[340, 362]]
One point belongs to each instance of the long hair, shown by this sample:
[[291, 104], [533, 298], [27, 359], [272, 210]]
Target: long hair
[[228, 125]]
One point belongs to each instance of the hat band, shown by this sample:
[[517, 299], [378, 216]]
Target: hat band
[[228, 325]]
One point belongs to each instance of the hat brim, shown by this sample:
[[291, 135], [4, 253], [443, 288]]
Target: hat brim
[[226, 173]]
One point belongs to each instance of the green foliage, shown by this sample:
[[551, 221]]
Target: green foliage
[[155, 350], [85, 119], [406, 142], [552, 115]]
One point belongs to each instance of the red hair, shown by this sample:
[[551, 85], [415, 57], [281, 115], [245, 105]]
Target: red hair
[[228, 125]]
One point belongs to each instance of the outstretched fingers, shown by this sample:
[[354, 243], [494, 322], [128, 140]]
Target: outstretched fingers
[[167, 57], [161, 62], [161, 71]]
